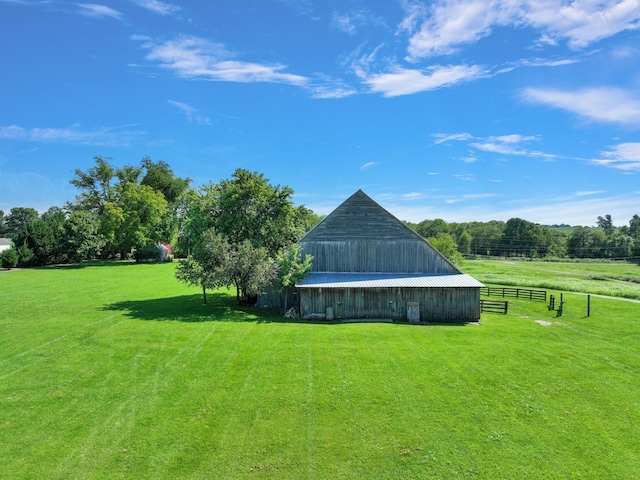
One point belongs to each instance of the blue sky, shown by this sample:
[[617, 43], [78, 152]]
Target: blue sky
[[458, 109]]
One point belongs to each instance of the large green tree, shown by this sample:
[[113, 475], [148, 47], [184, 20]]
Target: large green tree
[[247, 207], [18, 218], [130, 202]]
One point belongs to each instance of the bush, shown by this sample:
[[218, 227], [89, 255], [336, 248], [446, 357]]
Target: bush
[[9, 258]]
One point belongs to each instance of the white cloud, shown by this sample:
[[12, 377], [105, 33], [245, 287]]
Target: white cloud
[[448, 137], [368, 165], [505, 144], [332, 91], [194, 57], [589, 193], [113, 136], [413, 196], [514, 144], [452, 23], [191, 113], [404, 81], [157, 7], [625, 156], [98, 11], [599, 104]]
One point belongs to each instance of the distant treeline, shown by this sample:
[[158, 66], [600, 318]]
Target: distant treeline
[[120, 211], [521, 238]]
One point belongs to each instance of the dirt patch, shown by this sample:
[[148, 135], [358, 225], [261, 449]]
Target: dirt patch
[[544, 323]]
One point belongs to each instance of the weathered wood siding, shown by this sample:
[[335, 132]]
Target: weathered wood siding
[[391, 256], [452, 305], [272, 298]]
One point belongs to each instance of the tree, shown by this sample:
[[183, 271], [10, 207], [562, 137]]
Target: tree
[[446, 245], [248, 207], [161, 178], [251, 270], [82, 238], [132, 220], [464, 242], [292, 268], [95, 185], [18, 219], [432, 228], [2, 224], [606, 223], [634, 227], [130, 202], [207, 267]]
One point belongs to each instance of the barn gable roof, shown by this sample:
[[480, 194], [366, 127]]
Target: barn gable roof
[[360, 218], [360, 221]]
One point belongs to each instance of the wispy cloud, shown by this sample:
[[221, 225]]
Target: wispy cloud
[[612, 105], [369, 165], [349, 22], [156, 6], [332, 90], [588, 193], [625, 156], [113, 136], [513, 144], [452, 23], [413, 196], [98, 11], [505, 144], [191, 113], [403, 81], [448, 137], [197, 58]]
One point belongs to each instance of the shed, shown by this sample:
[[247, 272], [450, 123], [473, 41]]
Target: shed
[[370, 265]]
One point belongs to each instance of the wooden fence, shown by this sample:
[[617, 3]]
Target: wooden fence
[[525, 293], [494, 306]]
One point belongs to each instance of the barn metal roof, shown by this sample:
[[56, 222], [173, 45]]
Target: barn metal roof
[[387, 280]]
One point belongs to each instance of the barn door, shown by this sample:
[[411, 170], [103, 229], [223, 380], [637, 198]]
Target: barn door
[[413, 312]]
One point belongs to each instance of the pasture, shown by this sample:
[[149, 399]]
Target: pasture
[[115, 370]]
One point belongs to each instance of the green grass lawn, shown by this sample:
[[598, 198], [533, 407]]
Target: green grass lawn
[[618, 279], [118, 371]]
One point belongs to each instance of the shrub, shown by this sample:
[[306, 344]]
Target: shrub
[[9, 258]]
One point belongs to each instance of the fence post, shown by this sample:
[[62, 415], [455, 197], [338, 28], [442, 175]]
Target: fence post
[[588, 305]]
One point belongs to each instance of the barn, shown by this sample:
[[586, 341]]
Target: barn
[[370, 265]]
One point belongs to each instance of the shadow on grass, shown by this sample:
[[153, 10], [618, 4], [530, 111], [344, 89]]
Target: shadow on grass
[[221, 307], [100, 263]]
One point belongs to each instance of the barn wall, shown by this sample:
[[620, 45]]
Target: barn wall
[[436, 304], [274, 298], [402, 256]]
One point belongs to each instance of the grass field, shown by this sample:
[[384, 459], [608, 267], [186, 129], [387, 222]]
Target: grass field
[[618, 279], [118, 371]]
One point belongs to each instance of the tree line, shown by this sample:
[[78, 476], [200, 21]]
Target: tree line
[[520, 238], [253, 225]]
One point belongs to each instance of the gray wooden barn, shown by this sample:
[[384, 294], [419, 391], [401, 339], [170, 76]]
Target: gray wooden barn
[[370, 265]]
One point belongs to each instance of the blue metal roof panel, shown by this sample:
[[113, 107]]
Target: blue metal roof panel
[[387, 280]]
